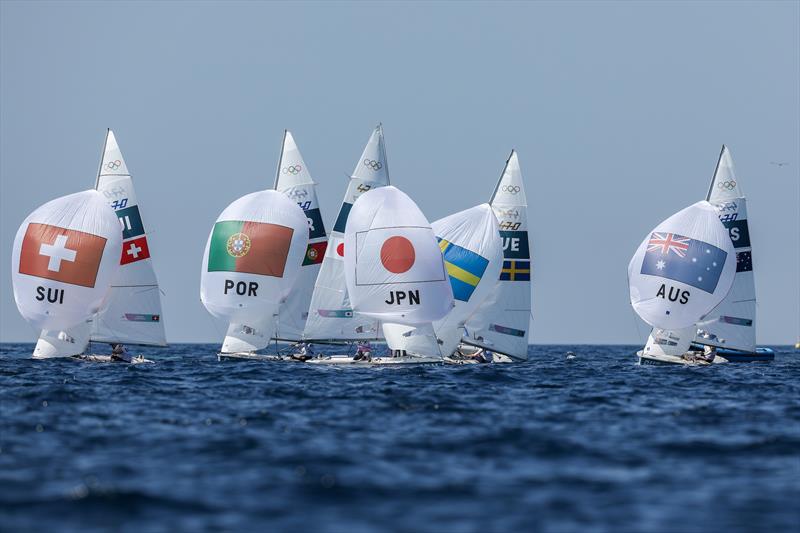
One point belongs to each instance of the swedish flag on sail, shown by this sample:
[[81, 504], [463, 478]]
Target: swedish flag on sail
[[465, 269]]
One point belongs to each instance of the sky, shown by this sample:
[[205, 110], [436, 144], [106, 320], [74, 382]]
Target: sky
[[617, 109]]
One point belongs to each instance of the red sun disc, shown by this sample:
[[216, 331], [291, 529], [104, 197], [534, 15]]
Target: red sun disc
[[397, 254], [340, 249]]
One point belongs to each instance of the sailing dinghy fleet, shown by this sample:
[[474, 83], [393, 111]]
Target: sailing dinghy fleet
[[457, 290]]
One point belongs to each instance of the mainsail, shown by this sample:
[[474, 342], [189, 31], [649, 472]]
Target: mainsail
[[294, 180], [473, 257], [133, 313], [682, 269], [65, 255], [732, 323], [502, 322], [330, 314], [393, 265], [251, 261]]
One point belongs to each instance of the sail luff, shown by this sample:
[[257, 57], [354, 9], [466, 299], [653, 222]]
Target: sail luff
[[714, 175]]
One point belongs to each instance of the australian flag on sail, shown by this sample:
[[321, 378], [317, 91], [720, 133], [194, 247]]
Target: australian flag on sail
[[683, 259]]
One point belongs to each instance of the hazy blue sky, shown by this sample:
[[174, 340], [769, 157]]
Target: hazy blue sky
[[618, 111]]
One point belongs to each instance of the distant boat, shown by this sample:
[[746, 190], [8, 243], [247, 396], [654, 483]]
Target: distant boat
[[395, 273], [697, 264], [294, 180], [252, 259], [131, 314], [65, 256], [501, 323], [330, 313]]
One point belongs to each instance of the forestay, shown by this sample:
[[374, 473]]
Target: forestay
[[473, 256], [502, 321], [682, 269], [133, 314], [65, 255], [330, 314], [294, 180], [252, 258], [732, 324], [393, 265]]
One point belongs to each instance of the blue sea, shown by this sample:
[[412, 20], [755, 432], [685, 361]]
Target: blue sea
[[594, 443]]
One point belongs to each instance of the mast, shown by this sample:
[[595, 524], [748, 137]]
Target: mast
[[382, 145], [102, 156], [502, 174], [280, 160], [714, 176]]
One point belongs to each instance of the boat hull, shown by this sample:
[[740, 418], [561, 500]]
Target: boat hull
[[245, 356], [92, 358], [347, 360]]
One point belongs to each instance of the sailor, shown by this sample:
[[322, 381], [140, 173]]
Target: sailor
[[306, 352], [364, 351], [119, 353], [709, 353]]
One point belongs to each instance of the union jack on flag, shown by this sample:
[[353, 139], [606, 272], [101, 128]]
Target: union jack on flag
[[668, 242]]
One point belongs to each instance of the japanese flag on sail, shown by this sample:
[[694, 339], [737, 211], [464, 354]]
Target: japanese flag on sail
[[389, 255]]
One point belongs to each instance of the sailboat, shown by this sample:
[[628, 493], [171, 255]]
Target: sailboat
[[501, 323], [294, 180], [473, 256], [680, 272], [394, 272], [131, 314], [330, 313], [730, 327], [252, 259], [65, 256]]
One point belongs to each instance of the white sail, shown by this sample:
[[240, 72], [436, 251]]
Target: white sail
[[669, 342], [294, 180], [502, 321], [330, 314], [393, 265], [473, 256], [252, 258], [732, 324], [53, 343], [682, 269], [133, 312], [65, 255]]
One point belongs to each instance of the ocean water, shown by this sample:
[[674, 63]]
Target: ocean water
[[594, 443]]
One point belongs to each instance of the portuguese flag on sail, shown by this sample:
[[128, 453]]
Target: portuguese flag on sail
[[250, 247]]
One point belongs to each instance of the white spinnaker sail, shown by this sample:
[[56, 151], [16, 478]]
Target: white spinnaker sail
[[732, 324], [294, 180], [502, 321], [133, 313], [393, 265], [330, 314], [473, 256], [65, 255], [682, 269], [669, 342], [251, 261]]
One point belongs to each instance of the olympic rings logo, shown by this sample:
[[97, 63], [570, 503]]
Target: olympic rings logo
[[511, 189], [374, 165], [293, 169], [727, 185], [113, 165]]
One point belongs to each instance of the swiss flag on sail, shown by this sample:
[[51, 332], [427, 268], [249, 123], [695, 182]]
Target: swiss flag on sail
[[61, 254], [134, 250]]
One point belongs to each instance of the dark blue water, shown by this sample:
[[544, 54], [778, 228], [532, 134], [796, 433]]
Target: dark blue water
[[590, 444]]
